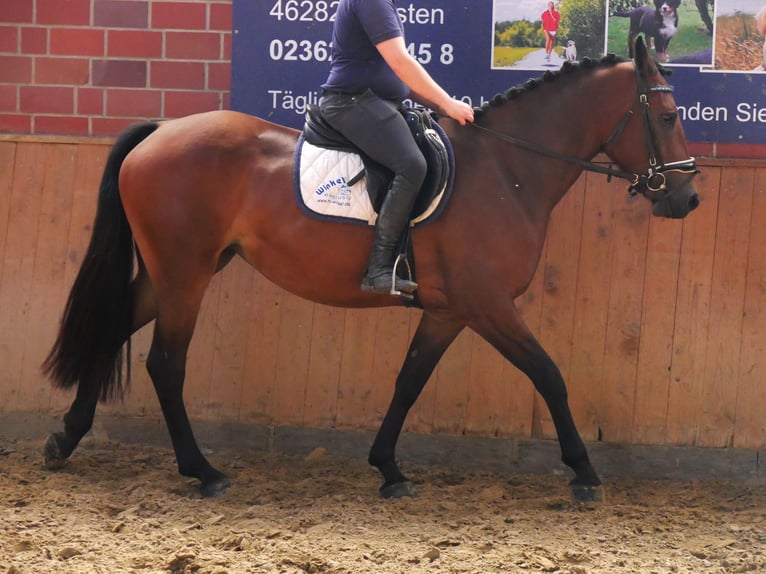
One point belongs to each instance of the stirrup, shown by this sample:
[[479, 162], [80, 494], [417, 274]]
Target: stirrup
[[394, 276], [369, 283]]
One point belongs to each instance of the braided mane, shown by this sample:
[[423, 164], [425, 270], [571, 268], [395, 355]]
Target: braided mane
[[549, 76]]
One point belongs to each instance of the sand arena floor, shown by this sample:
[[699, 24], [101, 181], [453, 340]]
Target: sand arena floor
[[123, 508]]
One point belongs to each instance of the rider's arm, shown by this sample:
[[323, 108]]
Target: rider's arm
[[424, 89]]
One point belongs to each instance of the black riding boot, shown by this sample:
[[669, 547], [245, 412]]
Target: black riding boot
[[393, 219]]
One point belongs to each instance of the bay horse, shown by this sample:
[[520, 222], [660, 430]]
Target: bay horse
[[184, 196]]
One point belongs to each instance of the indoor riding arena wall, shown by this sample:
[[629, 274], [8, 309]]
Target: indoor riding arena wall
[[655, 324]]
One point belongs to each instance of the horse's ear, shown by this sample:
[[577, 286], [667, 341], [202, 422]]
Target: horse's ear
[[640, 53]]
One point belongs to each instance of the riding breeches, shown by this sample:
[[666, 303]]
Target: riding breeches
[[377, 128]]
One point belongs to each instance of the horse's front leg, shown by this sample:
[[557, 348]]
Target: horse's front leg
[[166, 364], [511, 337], [431, 339]]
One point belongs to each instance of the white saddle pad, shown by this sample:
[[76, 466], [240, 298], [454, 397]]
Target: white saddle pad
[[322, 177]]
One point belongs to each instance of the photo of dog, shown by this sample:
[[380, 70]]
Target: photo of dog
[[658, 23], [570, 52]]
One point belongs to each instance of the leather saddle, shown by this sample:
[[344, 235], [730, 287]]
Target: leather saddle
[[317, 131]]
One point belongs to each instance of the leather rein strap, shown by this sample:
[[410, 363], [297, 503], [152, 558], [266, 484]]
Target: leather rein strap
[[542, 150]]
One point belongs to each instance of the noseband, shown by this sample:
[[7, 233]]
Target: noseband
[[651, 182]]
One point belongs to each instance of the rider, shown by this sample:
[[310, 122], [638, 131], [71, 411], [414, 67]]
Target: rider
[[370, 75]]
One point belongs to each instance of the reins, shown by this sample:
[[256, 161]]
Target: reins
[[654, 180], [542, 150]]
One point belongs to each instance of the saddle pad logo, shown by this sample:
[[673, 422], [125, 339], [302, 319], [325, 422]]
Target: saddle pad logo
[[334, 191]]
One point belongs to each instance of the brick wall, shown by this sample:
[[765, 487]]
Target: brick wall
[[92, 67]]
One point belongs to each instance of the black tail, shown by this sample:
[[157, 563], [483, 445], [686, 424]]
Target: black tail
[[98, 314]]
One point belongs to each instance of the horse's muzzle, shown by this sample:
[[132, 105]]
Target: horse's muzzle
[[677, 205]]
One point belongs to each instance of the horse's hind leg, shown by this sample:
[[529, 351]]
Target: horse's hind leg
[[77, 422], [79, 419], [517, 344], [166, 363], [431, 339]]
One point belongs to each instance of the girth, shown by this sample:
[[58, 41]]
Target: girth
[[317, 131]]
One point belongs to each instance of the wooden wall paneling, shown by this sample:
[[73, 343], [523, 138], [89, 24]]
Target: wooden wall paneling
[[7, 274], [292, 359], [18, 263], [560, 291], [259, 377], [357, 375], [7, 166], [629, 234], [692, 313], [591, 306], [450, 386], [392, 339], [750, 422], [501, 397], [325, 358], [726, 308], [232, 329], [260, 356], [58, 166], [488, 394], [655, 351]]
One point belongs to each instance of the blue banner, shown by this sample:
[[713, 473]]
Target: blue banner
[[281, 54]]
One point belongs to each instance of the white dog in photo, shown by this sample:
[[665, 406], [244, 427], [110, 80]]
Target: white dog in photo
[[570, 52], [760, 25]]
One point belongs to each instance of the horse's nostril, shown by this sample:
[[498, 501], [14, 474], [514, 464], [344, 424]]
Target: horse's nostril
[[694, 202]]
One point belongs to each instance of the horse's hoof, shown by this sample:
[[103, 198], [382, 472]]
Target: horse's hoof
[[398, 490], [53, 457], [215, 487], [586, 493]]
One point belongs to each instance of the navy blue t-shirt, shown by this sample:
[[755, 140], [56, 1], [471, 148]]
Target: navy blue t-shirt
[[356, 63]]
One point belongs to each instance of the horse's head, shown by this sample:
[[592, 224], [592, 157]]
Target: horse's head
[[661, 167]]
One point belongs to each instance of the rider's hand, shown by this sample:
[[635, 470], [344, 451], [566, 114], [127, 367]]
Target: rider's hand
[[459, 111]]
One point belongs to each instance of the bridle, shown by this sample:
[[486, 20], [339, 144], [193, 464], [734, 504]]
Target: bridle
[[653, 181]]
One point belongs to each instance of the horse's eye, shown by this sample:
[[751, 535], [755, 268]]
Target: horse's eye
[[669, 119]]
